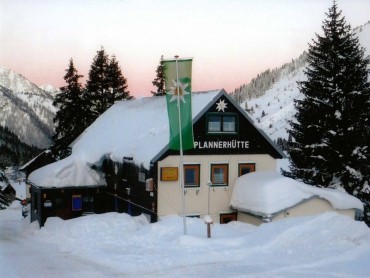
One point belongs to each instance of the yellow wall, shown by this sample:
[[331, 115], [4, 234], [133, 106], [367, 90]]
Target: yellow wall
[[313, 206], [309, 207], [169, 193]]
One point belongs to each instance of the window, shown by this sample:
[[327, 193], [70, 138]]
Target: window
[[229, 124], [76, 202], [221, 123], [245, 168], [219, 174], [141, 176], [191, 175], [214, 123], [60, 203], [227, 217], [88, 203]]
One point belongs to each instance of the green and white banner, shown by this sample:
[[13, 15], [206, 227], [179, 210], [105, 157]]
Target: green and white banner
[[178, 94]]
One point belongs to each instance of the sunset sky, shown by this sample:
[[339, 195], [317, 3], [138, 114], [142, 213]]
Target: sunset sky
[[231, 41]]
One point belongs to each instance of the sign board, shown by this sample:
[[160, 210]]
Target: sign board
[[231, 144], [169, 173]]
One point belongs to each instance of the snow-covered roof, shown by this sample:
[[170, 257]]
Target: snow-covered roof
[[267, 193], [131, 128], [134, 128], [71, 171]]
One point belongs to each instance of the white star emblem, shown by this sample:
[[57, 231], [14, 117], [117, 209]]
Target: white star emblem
[[221, 105], [178, 91]]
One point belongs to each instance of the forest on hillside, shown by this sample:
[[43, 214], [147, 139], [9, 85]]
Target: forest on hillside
[[12, 151]]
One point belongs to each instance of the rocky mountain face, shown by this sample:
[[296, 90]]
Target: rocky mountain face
[[25, 109]]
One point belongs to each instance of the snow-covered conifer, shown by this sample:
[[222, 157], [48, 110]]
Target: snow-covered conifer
[[159, 80], [330, 131], [106, 84], [117, 83], [70, 120]]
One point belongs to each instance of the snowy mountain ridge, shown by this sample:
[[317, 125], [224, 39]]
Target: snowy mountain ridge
[[50, 89], [25, 109], [269, 98]]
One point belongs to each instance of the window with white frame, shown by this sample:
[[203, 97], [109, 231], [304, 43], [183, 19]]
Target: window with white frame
[[219, 174], [221, 123]]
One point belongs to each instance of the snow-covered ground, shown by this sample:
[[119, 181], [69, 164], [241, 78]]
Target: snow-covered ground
[[117, 245]]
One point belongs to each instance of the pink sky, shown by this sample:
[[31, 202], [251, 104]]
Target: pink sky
[[231, 41]]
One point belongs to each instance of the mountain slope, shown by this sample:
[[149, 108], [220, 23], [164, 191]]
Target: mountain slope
[[25, 109], [13, 151], [269, 98], [50, 89]]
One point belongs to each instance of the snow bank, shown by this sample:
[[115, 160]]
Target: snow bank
[[117, 245], [266, 193], [132, 247]]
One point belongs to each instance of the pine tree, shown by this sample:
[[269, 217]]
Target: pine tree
[[71, 117], [97, 87], [117, 83], [106, 84], [330, 132], [159, 80]]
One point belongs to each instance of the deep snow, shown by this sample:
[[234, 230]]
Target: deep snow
[[117, 245]]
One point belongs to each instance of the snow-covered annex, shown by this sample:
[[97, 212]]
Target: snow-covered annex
[[122, 163]]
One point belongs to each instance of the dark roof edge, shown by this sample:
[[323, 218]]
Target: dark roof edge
[[64, 187]]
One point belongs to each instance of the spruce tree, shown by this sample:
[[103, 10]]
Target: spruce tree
[[106, 84], [70, 119], [159, 80], [330, 132], [97, 87], [117, 83]]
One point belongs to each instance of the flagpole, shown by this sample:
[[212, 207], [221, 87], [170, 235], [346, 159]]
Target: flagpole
[[181, 151]]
